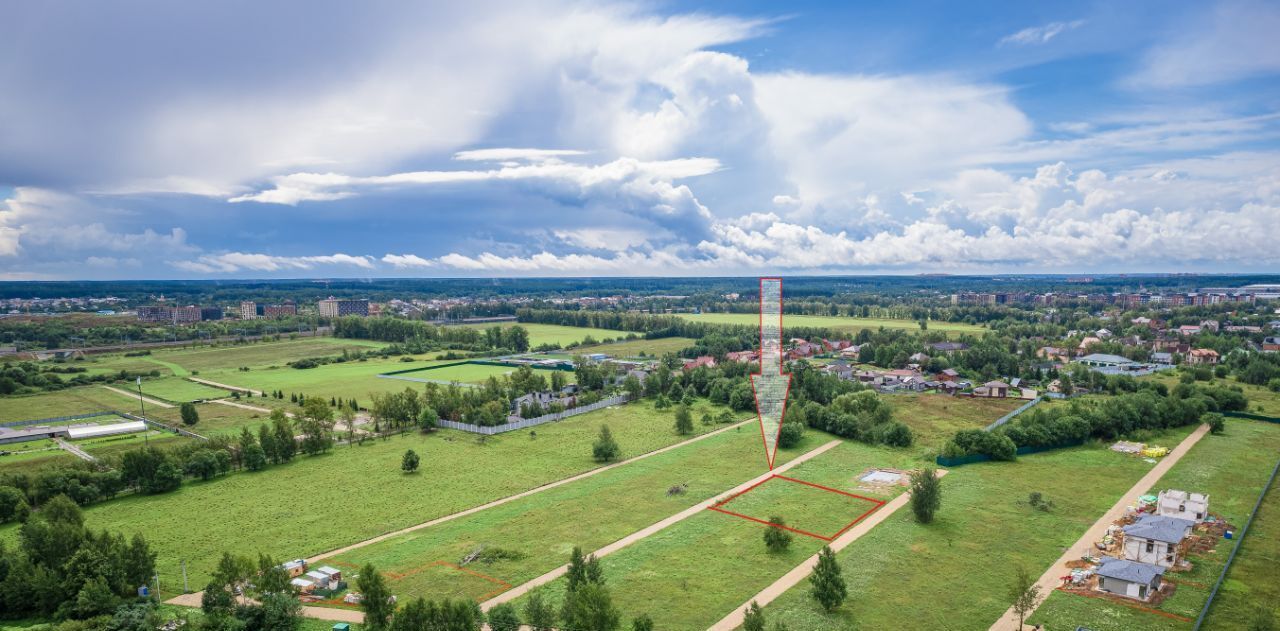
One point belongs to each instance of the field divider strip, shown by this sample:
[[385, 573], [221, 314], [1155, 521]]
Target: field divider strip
[[147, 400], [1051, 578], [641, 534], [223, 386], [802, 571]]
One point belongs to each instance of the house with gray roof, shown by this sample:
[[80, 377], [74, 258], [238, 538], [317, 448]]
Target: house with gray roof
[[1154, 539], [1129, 578]]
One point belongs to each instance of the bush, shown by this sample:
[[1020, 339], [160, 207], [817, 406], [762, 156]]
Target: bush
[[1216, 422]]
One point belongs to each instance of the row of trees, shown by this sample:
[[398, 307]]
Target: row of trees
[[511, 338]]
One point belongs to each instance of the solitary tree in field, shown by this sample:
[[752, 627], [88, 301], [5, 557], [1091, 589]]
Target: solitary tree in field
[[753, 619], [776, 539], [605, 448], [409, 463], [1024, 593], [828, 585], [189, 414], [375, 598], [684, 420], [926, 494]]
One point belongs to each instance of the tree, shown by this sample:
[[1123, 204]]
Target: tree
[[538, 614], [590, 608], [504, 618], [926, 494], [13, 505], [375, 598], [828, 585], [789, 434], [684, 420], [1024, 593], [316, 424], [254, 458], [642, 622], [189, 414], [753, 618], [94, 599], [1216, 422], [409, 463], [776, 539], [281, 611], [605, 448], [282, 436]]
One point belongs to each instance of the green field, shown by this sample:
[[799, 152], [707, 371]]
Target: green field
[[965, 560], [542, 529], [354, 379], [838, 323], [32, 455], [691, 574], [472, 373], [540, 334], [310, 505], [934, 418], [1231, 469], [1253, 580], [633, 348], [179, 390], [81, 400]]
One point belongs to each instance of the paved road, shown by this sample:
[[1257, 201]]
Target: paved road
[[638, 535], [186, 599], [256, 393], [802, 571], [134, 395], [1051, 579]]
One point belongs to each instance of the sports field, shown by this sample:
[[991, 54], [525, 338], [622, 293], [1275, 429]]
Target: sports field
[[984, 514], [839, 323], [1231, 469], [305, 507]]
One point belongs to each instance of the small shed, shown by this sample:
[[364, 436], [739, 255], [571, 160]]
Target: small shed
[[305, 586], [1130, 579]]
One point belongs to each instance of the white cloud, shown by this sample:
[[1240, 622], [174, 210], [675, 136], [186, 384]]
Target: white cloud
[[519, 155], [406, 261], [1227, 41], [1040, 34], [229, 262], [40, 224]]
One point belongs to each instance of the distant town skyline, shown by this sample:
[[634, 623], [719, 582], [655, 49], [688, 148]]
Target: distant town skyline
[[223, 141]]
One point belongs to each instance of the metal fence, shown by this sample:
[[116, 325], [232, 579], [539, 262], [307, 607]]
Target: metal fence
[[532, 422], [1008, 417], [60, 419]]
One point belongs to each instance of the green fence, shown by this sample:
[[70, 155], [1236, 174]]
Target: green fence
[[1252, 417]]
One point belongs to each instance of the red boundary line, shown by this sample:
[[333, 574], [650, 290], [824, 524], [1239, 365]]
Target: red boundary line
[[770, 456], [719, 507]]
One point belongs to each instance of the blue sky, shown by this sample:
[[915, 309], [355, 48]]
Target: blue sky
[[232, 140]]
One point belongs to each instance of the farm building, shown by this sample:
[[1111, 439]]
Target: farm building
[[294, 568], [1183, 505], [1129, 578], [94, 431], [1154, 539]]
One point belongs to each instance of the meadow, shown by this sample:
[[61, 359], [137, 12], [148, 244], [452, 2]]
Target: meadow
[[1252, 582], [691, 574], [474, 373], [843, 324], [1232, 469], [638, 348], [308, 506], [967, 557], [934, 418], [556, 334]]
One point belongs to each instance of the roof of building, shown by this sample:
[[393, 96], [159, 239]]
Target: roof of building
[[1131, 571], [1160, 528], [90, 431], [1104, 358]]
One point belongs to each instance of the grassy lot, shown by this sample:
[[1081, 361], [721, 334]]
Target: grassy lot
[[32, 455], [321, 503], [542, 529], [966, 558], [1253, 580], [1232, 469], [220, 419], [1261, 400], [634, 348], [934, 418], [540, 334], [81, 400], [178, 390], [690, 575], [356, 379], [839, 323], [473, 373]]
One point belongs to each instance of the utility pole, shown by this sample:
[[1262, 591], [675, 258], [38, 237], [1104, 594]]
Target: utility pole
[[143, 413]]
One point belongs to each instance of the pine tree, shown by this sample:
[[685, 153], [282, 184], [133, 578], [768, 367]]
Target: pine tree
[[605, 448], [753, 618], [409, 463], [828, 585], [376, 598], [776, 539]]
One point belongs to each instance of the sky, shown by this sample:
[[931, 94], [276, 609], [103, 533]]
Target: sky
[[235, 139]]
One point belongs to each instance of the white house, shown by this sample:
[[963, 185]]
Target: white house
[[1129, 578], [1154, 539], [1183, 505]]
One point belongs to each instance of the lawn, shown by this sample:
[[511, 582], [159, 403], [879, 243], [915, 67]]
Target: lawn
[[1231, 469], [934, 418], [965, 559], [179, 390], [32, 455], [321, 503], [472, 373], [635, 348], [540, 334], [80, 400], [1253, 580], [691, 574], [839, 323], [217, 419], [353, 379], [541, 530]]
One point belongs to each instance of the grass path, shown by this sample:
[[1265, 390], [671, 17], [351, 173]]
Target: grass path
[[147, 400], [178, 371], [256, 393], [525, 588], [1052, 576]]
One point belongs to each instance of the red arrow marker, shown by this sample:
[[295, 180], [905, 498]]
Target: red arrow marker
[[771, 385]]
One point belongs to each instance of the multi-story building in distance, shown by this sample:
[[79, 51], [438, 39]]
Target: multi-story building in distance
[[155, 313], [280, 310], [248, 310], [334, 308], [187, 314]]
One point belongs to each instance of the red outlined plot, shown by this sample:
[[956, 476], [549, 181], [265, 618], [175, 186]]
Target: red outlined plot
[[875, 504]]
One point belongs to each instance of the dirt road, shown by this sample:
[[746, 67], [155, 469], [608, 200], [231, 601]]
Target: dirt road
[[802, 571], [1051, 579], [638, 535], [256, 393], [134, 395]]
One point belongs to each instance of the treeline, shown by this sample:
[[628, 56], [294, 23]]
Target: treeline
[[512, 338], [89, 330], [1148, 406], [26, 377], [151, 470], [62, 569]]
